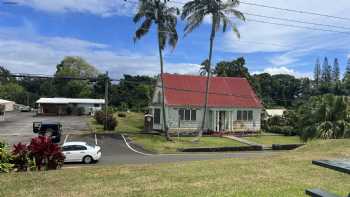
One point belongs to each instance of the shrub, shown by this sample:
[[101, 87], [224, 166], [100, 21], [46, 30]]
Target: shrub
[[111, 122], [99, 117], [121, 115], [69, 110], [81, 111], [5, 158], [21, 160], [45, 153]]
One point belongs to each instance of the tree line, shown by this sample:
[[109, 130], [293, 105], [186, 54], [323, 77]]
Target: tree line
[[131, 93]]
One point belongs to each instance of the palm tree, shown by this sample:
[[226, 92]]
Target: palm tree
[[194, 13], [154, 11]]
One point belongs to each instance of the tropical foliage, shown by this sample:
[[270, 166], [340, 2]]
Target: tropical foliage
[[157, 12], [324, 117], [46, 154], [5, 158], [221, 14]]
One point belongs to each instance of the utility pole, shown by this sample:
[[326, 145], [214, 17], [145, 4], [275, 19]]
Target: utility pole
[[106, 101]]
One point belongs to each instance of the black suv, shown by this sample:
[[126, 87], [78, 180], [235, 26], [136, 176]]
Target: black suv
[[52, 129]]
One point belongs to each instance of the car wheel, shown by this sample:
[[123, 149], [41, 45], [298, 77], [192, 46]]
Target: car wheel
[[87, 159]]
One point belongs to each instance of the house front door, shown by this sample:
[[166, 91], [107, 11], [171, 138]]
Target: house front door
[[222, 121]]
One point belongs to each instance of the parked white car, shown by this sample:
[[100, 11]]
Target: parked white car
[[81, 152]]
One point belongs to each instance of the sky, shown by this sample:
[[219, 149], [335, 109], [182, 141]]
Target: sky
[[35, 35]]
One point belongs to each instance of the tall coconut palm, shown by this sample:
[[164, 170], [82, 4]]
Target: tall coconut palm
[[221, 13], [165, 18]]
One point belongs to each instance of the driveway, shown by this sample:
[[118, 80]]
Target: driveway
[[116, 151], [18, 126]]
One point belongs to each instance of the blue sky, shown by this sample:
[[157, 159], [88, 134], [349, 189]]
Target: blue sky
[[35, 35]]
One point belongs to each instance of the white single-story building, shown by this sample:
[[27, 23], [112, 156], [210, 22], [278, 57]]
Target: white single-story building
[[67, 106], [232, 104], [9, 105]]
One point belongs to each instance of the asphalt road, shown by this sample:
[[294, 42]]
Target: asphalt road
[[115, 151]]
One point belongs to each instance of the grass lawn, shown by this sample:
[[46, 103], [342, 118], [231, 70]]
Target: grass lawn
[[285, 175], [132, 123], [158, 143], [269, 140]]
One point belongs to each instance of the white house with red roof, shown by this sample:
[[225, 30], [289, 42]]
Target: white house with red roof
[[232, 104]]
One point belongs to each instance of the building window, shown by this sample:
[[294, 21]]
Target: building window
[[96, 105], [245, 115], [156, 116], [193, 115], [187, 114], [239, 115], [250, 115]]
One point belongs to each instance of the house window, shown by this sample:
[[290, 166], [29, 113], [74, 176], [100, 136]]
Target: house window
[[193, 115], [239, 115], [96, 105], [187, 114], [156, 116], [250, 115], [245, 115]]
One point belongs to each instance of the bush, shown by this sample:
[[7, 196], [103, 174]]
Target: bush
[[111, 122], [285, 130], [121, 115], [99, 117], [80, 111], [21, 159], [45, 153], [5, 158], [69, 110]]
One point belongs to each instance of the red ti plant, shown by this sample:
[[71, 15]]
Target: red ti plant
[[45, 153], [20, 154]]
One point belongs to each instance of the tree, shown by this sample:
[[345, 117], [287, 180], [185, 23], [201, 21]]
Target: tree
[[154, 11], [194, 13], [204, 68], [4, 75], [74, 67], [326, 71], [335, 71], [14, 92], [234, 68], [346, 79], [324, 117], [317, 72]]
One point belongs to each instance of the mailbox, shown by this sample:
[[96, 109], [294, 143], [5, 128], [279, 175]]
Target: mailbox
[[148, 123]]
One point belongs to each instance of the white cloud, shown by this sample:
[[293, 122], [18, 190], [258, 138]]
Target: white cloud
[[285, 46], [98, 7], [40, 54], [283, 70]]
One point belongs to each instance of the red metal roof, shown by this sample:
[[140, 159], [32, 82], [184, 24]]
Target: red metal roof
[[189, 90]]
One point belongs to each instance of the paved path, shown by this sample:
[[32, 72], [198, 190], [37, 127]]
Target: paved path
[[242, 140], [115, 151]]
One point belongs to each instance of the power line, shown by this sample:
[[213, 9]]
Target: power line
[[278, 8], [299, 27], [288, 20], [296, 21], [296, 11]]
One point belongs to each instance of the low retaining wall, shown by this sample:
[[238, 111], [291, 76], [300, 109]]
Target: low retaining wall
[[285, 146], [223, 149]]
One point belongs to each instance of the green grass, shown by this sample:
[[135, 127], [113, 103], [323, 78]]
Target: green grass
[[284, 175], [132, 123], [269, 140], [158, 144]]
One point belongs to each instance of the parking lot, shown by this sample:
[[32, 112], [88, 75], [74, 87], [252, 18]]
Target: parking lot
[[18, 126]]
